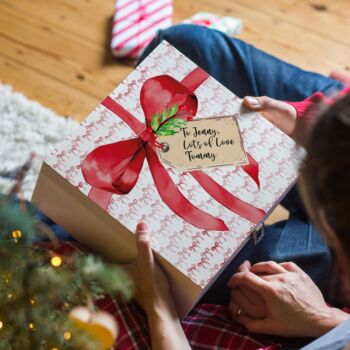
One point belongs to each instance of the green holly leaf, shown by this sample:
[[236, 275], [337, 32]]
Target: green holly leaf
[[173, 110], [163, 116], [171, 127], [166, 132], [155, 122]]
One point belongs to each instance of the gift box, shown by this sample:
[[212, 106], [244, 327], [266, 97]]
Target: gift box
[[171, 146], [135, 24], [226, 24]]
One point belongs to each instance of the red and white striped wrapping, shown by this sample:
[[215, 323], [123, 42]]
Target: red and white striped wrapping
[[136, 23]]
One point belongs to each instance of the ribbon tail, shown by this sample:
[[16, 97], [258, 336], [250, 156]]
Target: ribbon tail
[[252, 169], [100, 197], [227, 199], [175, 200]]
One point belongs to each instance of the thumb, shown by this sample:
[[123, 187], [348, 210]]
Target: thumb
[[255, 325], [145, 255], [262, 103]]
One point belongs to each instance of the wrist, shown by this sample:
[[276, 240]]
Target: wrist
[[333, 318], [161, 311]]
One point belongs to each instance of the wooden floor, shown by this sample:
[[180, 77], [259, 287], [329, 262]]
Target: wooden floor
[[57, 51]]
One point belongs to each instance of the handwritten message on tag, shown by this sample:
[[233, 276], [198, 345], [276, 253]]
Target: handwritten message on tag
[[204, 143]]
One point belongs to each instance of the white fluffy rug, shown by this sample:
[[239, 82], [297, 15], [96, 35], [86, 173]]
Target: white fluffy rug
[[26, 127]]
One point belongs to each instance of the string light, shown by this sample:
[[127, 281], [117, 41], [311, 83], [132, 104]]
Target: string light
[[67, 335], [1, 325], [16, 234], [7, 277], [31, 326], [56, 261], [33, 301], [9, 296]]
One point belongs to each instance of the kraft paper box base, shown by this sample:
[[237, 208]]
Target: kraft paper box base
[[155, 150], [92, 226]]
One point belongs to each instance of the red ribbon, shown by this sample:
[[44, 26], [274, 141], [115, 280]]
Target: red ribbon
[[114, 168]]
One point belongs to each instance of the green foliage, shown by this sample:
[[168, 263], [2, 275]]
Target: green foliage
[[167, 123], [34, 293]]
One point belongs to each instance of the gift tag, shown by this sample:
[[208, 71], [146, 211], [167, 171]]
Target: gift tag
[[204, 143]]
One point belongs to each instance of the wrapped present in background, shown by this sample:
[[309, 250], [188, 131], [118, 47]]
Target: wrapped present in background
[[136, 23], [228, 25]]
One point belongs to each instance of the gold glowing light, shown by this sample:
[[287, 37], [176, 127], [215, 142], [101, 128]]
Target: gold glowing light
[[16, 234], [1, 325], [31, 326], [67, 335], [56, 261], [7, 277]]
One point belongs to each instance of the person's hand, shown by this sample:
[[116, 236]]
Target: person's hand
[[245, 300], [279, 113], [295, 306], [340, 76], [154, 296], [152, 287]]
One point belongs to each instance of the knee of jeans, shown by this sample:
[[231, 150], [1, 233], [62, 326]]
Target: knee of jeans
[[185, 35]]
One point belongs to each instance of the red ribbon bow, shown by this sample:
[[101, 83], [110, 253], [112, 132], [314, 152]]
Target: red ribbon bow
[[115, 167]]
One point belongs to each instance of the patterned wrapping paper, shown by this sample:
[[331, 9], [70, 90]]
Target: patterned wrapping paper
[[135, 24], [199, 254], [226, 24]]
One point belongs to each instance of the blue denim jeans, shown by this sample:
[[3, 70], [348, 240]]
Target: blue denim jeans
[[246, 70]]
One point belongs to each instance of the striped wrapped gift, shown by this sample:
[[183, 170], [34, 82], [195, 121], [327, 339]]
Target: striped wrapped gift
[[136, 23]]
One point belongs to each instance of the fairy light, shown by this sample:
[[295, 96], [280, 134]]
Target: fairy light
[[33, 301], [7, 277], [31, 326], [1, 325], [16, 234], [56, 261], [67, 335]]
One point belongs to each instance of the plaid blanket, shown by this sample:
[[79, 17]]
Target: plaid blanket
[[206, 327]]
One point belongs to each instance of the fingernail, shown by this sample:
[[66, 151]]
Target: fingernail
[[142, 227], [253, 101]]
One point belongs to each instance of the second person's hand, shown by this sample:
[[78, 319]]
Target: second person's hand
[[295, 306], [279, 113]]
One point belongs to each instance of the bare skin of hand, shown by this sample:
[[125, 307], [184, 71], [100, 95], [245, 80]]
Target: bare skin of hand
[[295, 306], [246, 300], [154, 296], [152, 287], [279, 113], [340, 76]]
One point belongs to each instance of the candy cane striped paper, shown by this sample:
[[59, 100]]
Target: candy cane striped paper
[[136, 23]]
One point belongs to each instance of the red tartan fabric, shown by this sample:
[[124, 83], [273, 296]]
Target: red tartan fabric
[[206, 327], [211, 326]]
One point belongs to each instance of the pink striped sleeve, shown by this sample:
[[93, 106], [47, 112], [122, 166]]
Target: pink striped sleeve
[[304, 106]]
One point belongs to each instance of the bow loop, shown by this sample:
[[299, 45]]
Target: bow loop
[[159, 94], [114, 167]]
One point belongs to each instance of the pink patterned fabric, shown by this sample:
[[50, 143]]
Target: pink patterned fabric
[[206, 327], [136, 23]]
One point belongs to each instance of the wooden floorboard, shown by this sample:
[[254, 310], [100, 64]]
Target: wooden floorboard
[[57, 51], [64, 45]]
